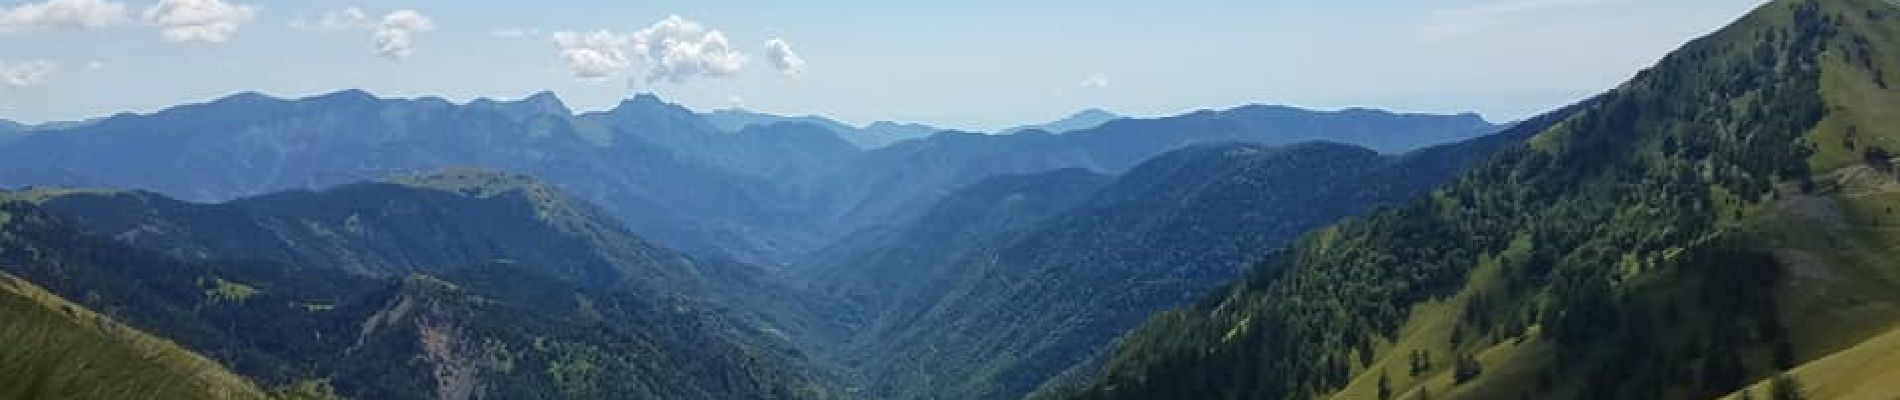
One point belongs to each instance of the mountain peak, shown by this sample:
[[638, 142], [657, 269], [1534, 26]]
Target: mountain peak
[[1094, 113], [893, 125], [644, 99], [1081, 120], [245, 97], [347, 97], [543, 96], [353, 94], [648, 103], [545, 101]]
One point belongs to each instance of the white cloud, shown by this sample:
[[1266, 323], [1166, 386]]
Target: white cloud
[[94, 66], [396, 36], [30, 73], [209, 21], [593, 56], [788, 63], [676, 50], [515, 33], [347, 19], [393, 35], [1096, 81], [673, 50], [62, 14], [736, 102]]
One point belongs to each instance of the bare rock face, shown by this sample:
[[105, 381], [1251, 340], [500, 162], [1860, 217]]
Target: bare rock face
[[454, 359]]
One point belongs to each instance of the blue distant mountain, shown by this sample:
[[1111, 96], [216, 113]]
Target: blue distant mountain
[[10, 130], [768, 192], [877, 134], [1085, 119]]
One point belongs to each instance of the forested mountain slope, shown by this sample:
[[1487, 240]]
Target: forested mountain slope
[[515, 321], [1720, 217], [877, 269], [419, 223], [1011, 281]]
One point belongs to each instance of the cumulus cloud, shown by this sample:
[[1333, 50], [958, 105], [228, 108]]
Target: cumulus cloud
[[593, 56], [672, 50], [209, 21], [347, 19], [1096, 81], [62, 14], [788, 63], [396, 36], [393, 35], [676, 49], [30, 73]]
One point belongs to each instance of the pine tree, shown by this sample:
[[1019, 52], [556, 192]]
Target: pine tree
[[1784, 387], [1418, 362], [1465, 369], [1385, 387]]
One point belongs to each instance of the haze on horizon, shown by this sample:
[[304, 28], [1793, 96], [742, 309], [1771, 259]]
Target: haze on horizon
[[981, 65]]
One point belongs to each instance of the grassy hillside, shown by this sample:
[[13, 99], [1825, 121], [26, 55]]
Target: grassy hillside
[[1720, 217], [53, 349]]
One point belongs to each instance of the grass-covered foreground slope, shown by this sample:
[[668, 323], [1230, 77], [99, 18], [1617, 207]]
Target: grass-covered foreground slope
[[53, 349], [1719, 218]]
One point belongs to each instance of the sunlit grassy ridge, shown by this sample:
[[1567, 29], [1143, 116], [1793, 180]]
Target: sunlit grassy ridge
[[53, 349]]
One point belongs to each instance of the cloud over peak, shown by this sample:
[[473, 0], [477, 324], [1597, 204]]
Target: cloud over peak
[[593, 56], [787, 62], [30, 73], [676, 49], [393, 35], [208, 21], [396, 36], [62, 14]]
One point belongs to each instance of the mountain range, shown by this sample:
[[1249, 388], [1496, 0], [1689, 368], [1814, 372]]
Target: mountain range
[[872, 136], [764, 194], [1081, 120], [419, 234], [1720, 225]]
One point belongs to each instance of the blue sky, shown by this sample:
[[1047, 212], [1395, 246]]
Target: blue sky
[[973, 64]]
